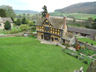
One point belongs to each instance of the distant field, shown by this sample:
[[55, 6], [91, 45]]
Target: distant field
[[76, 15], [26, 54], [87, 40]]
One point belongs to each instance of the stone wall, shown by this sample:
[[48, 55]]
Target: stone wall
[[12, 35], [89, 46], [92, 67]]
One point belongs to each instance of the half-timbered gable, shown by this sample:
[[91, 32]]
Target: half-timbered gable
[[48, 32]]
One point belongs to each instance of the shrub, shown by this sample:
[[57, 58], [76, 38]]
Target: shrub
[[85, 62], [18, 22], [24, 27], [13, 30], [83, 47], [24, 21], [7, 25], [31, 23], [67, 45]]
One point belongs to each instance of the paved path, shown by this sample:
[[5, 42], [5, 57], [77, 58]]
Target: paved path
[[54, 43]]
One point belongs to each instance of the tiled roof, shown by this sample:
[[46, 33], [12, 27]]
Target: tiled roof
[[4, 19], [82, 30], [58, 22]]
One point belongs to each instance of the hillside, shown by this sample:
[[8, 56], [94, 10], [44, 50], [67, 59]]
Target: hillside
[[25, 11], [87, 7]]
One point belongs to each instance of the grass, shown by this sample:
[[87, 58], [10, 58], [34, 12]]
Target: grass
[[87, 40], [26, 54], [75, 15]]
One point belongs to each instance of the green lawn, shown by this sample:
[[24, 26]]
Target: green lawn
[[19, 54], [87, 40]]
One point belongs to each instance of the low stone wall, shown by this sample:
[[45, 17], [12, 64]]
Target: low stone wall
[[11, 35], [25, 34], [89, 46]]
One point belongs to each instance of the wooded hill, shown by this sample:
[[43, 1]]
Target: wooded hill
[[86, 7], [25, 11]]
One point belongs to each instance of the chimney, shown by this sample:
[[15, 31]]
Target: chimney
[[65, 26], [47, 15]]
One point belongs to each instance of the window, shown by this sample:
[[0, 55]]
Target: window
[[41, 36], [47, 28], [56, 39], [0, 24], [46, 22], [52, 39]]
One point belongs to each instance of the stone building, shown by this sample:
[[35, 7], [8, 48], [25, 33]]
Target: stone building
[[90, 33], [54, 30], [3, 20]]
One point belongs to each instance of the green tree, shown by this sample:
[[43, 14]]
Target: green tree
[[9, 11], [2, 13], [94, 24], [7, 25], [24, 15], [45, 11], [24, 21], [18, 22], [74, 20], [90, 19], [24, 27], [89, 23]]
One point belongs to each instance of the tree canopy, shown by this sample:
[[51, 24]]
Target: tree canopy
[[2, 13], [94, 24], [44, 11], [18, 22], [24, 21], [8, 10], [7, 25]]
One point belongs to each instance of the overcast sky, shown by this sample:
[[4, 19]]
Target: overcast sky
[[37, 4]]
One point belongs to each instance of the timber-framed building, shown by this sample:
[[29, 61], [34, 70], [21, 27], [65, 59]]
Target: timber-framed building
[[54, 30]]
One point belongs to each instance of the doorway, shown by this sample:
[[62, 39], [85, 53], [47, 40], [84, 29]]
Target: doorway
[[47, 36]]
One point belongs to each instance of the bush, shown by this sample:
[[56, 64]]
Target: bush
[[87, 52], [83, 47], [85, 62], [18, 22], [24, 21], [13, 30], [24, 27], [7, 25]]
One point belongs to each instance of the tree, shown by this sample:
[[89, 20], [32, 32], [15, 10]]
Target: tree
[[7, 25], [90, 19], [24, 21], [24, 27], [74, 20], [89, 23], [45, 11], [2, 13], [94, 24], [9, 11], [24, 15], [18, 22]]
